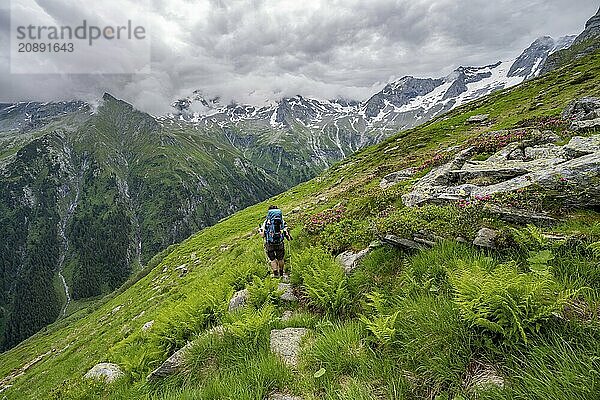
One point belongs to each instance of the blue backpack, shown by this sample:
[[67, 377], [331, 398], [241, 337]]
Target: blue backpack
[[274, 227]]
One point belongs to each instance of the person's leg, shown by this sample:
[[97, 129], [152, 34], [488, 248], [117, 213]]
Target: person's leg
[[272, 257], [275, 268]]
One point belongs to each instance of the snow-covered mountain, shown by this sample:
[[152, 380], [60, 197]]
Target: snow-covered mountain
[[332, 129]]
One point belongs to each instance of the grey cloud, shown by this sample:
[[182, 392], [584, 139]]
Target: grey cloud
[[258, 50]]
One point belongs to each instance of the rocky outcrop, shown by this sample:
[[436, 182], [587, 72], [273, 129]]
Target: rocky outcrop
[[286, 344], [570, 173], [106, 372], [397, 177], [521, 217], [584, 114], [478, 119], [402, 243], [171, 365]]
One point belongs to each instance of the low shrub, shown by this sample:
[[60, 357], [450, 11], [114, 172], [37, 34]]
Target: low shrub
[[347, 233], [440, 220]]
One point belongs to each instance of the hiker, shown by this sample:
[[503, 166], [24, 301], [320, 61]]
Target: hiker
[[274, 231]]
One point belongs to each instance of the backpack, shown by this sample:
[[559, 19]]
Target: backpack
[[274, 227]]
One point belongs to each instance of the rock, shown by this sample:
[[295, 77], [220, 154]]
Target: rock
[[404, 244], [587, 124], [239, 299], [424, 241], [582, 109], [547, 167], [486, 238], [522, 217], [140, 315], [350, 260], [218, 330], [182, 270], [107, 372], [396, 177], [171, 365], [581, 146], [287, 315], [288, 293], [482, 376], [116, 309], [478, 119], [286, 344], [375, 244], [147, 326], [282, 396]]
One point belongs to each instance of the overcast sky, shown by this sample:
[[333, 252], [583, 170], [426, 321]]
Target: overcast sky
[[259, 50]]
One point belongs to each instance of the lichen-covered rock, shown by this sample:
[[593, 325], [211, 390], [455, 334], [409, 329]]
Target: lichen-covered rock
[[171, 365], [107, 372], [478, 119], [350, 260], [286, 344], [582, 109], [486, 237], [147, 326], [287, 292], [522, 217], [396, 177], [239, 300], [570, 172]]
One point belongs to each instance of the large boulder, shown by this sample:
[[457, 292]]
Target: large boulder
[[286, 344], [582, 109], [585, 125], [106, 372]]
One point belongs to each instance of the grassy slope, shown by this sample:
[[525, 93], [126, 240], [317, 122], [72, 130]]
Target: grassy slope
[[437, 346]]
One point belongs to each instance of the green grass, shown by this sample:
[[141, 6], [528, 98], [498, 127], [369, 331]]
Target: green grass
[[429, 343]]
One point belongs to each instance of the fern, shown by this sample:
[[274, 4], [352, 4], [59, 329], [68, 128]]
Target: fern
[[595, 248], [252, 324], [506, 301], [262, 292], [382, 327], [530, 238]]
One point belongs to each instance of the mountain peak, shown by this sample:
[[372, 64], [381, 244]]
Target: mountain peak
[[108, 97], [592, 29]]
